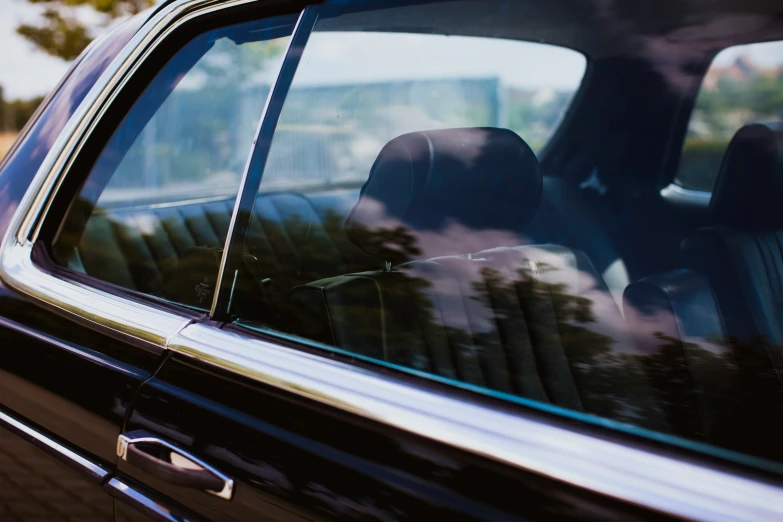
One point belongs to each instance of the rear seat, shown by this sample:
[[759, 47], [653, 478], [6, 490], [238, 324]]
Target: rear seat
[[464, 296], [741, 255], [677, 323], [295, 238]]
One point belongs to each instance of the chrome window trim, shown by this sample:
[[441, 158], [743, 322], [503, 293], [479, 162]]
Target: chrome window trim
[[138, 320], [107, 310], [120, 490], [49, 445], [647, 479]]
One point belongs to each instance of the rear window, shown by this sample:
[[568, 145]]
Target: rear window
[[744, 84], [355, 91]]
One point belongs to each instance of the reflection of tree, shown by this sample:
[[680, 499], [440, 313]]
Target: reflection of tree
[[721, 390], [501, 323], [697, 384], [581, 368], [758, 396], [669, 370], [722, 108], [512, 331]]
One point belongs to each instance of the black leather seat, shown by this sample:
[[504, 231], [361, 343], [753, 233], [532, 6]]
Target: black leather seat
[[741, 255], [464, 295], [296, 239], [563, 217], [676, 322]]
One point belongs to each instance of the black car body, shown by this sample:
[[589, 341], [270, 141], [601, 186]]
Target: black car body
[[147, 376]]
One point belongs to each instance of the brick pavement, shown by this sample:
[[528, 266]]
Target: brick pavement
[[36, 487]]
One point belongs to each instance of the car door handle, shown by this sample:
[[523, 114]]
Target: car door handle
[[171, 464]]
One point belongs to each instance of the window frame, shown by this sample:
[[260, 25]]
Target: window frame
[[631, 467]]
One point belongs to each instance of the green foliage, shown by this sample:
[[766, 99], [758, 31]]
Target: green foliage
[[15, 113], [63, 35], [718, 114]]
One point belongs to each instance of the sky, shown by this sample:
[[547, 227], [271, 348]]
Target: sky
[[768, 54], [27, 72], [350, 57], [24, 71]]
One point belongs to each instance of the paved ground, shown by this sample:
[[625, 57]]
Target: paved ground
[[35, 487]]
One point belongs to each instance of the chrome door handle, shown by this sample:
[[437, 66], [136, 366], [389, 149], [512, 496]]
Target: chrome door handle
[[171, 464]]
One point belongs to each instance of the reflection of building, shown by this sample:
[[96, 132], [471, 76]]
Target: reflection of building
[[743, 69]]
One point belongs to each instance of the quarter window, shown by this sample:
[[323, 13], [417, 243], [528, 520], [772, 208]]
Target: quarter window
[[355, 91], [744, 84], [153, 213]]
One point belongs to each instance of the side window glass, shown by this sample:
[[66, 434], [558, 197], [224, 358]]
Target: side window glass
[[355, 91], [743, 85], [154, 210], [415, 213], [396, 219]]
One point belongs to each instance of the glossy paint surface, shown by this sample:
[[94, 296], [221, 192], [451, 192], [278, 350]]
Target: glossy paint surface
[[292, 458], [60, 494], [71, 382], [296, 460]]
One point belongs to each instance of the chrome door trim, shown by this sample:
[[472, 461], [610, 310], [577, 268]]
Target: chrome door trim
[[268, 122], [120, 315], [135, 437], [122, 491], [126, 317], [609, 468], [54, 448]]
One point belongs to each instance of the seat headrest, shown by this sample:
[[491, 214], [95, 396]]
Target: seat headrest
[[446, 192], [749, 190]]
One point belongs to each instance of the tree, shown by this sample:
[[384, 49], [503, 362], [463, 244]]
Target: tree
[[63, 35]]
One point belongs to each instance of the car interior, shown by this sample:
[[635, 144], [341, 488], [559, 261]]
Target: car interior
[[574, 276]]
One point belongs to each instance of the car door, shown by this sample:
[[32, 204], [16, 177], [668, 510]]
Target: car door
[[318, 400], [85, 312]]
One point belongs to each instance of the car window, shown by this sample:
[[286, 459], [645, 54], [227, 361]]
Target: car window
[[354, 91], [153, 212], [409, 216], [744, 84]]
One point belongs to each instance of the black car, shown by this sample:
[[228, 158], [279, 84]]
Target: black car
[[412, 260]]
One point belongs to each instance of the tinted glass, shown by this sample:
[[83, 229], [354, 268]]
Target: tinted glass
[[744, 84], [406, 220], [153, 213], [355, 91]]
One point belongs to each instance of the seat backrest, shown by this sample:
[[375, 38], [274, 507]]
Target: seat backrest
[[741, 255], [446, 192], [295, 238], [463, 297], [677, 324], [741, 252]]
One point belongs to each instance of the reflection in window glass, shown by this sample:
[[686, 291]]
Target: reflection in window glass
[[154, 210], [355, 91], [404, 219], [199, 139], [744, 84]]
